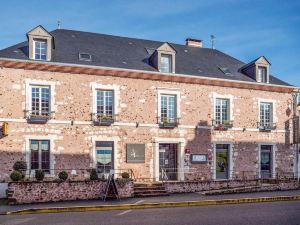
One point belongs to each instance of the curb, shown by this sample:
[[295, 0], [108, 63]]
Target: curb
[[152, 205]]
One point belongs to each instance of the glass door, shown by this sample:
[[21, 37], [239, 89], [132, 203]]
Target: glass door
[[222, 161], [168, 161], [265, 161]]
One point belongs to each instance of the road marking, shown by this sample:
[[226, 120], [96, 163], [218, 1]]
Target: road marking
[[122, 213], [138, 202]]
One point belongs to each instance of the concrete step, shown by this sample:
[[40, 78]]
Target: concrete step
[[232, 190], [149, 190]]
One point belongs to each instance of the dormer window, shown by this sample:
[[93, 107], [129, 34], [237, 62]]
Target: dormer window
[[262, 74], [40, 49], [166, 63], [40, 44]]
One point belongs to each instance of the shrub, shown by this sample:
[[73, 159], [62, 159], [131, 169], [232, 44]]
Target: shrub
[[93, 174], [39, 175], [63, 175], [125, 175], [20, 166], [16, 175], [122, 181]]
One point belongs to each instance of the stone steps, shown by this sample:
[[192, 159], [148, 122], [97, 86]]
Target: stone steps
[[149, 190]]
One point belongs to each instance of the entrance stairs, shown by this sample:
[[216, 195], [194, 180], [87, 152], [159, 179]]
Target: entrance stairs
[[149, 190]]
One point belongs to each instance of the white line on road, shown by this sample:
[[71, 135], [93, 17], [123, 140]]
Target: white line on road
[[122, 213]]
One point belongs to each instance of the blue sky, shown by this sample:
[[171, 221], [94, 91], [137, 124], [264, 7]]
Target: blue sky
[[244, 29]]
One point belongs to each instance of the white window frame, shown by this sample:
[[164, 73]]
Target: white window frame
[[32, 83], [168, 91], [40, 97], [104, 102], [231, 105], [221, 113], [116, 96], [34, 43], [273, 102], [169, 57], [262, 79]]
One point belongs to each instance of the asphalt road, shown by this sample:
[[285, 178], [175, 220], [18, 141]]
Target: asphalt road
[[281, 213]]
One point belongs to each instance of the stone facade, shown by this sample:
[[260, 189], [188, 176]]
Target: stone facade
[[72, 134], [50, 191]]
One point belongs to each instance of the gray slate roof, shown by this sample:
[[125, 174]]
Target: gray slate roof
[[131, 53]]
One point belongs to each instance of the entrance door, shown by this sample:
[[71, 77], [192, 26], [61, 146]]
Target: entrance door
[[168, 161], [104, 156], [222, 161], [265, 161]]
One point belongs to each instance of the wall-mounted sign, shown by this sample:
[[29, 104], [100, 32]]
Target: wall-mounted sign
[[187, 151], [135, 153], [198, 158], [5, 129]]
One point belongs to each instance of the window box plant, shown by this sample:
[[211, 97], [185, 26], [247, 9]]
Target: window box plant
[[168, 123], [103, 120]]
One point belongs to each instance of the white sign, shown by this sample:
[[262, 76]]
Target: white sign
[[199, 158]]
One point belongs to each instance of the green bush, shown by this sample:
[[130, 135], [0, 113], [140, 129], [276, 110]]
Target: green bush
[[93, 174], [125, 175], [39, 175], [63, 175], [16, 175], [122, 181], [20, 166]]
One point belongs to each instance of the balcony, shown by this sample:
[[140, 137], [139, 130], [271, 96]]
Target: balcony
[[102, 119], [224, 125], [266, 126], [38, 117], [168, 123]]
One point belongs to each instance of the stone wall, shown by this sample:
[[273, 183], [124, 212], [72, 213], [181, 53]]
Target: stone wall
[[72, 133], [51, 191]]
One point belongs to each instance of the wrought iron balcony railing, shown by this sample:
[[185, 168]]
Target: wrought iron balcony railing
[[266, 126], [103, 119], [39, 117], [222, 125], [168, 123]]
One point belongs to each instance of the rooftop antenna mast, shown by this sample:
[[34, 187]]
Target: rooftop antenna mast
[[58, 24], [212, 39]]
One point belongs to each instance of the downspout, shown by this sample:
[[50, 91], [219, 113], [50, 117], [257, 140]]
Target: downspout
[[296, 113]]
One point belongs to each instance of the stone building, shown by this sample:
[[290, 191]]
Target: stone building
[[77, 100]]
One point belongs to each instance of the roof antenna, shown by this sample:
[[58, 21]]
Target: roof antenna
[[58, 24], [212, 39]]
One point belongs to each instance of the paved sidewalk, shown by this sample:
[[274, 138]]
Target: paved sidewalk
[[172, 198]]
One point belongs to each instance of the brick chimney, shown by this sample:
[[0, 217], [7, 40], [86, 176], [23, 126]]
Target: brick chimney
[[193, 42]]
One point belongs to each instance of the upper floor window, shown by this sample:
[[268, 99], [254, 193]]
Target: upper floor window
[[40, 155], [222, 111], [262, 74], [168, 109], [166, 63], [266, 114], [40, 100], [40, 49], [105, 103]]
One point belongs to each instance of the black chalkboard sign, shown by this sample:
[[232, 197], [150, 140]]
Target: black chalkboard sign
[[135, 153]]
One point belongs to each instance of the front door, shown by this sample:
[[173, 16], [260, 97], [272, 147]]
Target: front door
[[168, 161], [104, 156], [265, 161], [222, 162]]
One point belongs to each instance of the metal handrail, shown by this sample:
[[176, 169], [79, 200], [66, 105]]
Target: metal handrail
[[266, 126]]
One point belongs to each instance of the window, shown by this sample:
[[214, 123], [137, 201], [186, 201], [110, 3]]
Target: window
[[105, 103], [40, 50], [40, 155], [262, 74], [166, 63], [104, 156], [168, 108], [85, 57], [266, 114], [222, 111], [40, 101]]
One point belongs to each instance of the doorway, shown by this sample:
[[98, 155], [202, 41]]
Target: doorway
[[266, 161], [168, 161], [222, 161]]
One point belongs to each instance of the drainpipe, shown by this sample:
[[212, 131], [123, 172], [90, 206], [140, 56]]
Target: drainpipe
[[296, 112]]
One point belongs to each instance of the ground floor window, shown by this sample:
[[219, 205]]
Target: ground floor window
[[104, 156], [222, 161], [40, 155]]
